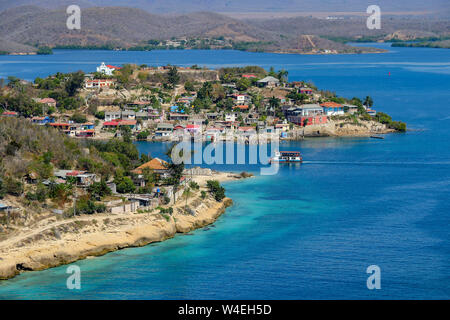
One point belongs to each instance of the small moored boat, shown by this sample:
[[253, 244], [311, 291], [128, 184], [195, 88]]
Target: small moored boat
[[287, 157]]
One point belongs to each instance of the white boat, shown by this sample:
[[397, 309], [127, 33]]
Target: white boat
[[287, 157]]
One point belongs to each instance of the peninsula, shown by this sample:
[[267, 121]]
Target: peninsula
[[73, 184]]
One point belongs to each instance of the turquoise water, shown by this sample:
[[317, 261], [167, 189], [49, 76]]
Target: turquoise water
[[311, 230]]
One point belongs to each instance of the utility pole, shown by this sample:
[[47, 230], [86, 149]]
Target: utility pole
[[75, 201]]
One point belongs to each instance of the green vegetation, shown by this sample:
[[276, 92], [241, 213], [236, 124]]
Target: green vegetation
[[29, 149], [78, 118], [194, 185], [216, 189], [143, 135], [173, 77], [444, 44], [44, 51], [363, 39], [85, 205], [387, 120]]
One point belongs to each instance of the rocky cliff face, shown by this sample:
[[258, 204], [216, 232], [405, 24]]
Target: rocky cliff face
[[66, 241], [345, 128]]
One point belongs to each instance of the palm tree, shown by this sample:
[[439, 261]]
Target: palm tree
[[368, 101], [175, 170], [274, 102], [283, 75]]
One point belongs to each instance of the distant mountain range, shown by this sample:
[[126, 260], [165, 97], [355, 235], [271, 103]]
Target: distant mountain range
[[182, 6], [25, 27]]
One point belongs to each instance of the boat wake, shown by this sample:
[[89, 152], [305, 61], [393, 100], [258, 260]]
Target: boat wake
[[380, 163]]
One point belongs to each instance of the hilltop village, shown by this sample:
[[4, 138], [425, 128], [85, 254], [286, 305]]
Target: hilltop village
[[166, 103]]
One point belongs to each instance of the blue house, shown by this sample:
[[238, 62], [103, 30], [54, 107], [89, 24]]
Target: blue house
[[42, 120], [176, 109], [88, 126]]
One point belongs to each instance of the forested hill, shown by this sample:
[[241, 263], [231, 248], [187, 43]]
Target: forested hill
[[25, 28]]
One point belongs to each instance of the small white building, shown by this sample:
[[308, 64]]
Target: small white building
[[107, 69], [230, 117], [112, 115], [98, 83]]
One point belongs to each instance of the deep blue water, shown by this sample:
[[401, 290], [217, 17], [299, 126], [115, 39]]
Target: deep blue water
[[311, 230]]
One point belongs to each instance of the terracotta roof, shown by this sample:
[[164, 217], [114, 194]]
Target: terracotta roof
[[111, 123], [241, 107], [246, 128], [47, 100], [100, 80], [154, 164], [127, 123], [73, 173], [331, 104]]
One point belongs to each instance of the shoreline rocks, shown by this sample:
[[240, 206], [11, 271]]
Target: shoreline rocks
[[136, 231]]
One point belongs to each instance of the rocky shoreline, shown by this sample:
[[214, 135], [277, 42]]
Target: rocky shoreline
[[67, 241]]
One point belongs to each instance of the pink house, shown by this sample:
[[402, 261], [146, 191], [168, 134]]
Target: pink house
[[192, 128]]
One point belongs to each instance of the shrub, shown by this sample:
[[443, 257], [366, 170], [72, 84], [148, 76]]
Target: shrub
[[165, 211], [85, 205], [216, 189], [166, 200], [142, 135], [99, 189], [13, 187], [203, 194], [40, 194], [194, 185], [124, 185], [78, 118], [244, 174], [100, 115], [398, 125]]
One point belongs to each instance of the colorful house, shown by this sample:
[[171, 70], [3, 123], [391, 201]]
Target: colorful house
[[98, 83], [61, 126], [10, 114], [332, 108], [118, 123], [87, 126], [193, 128], [42, 120], [305, 90], [307, 114], [164, 130], [242, 99], [89, 133], [241, 107], [155, 165], [178, 117]]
